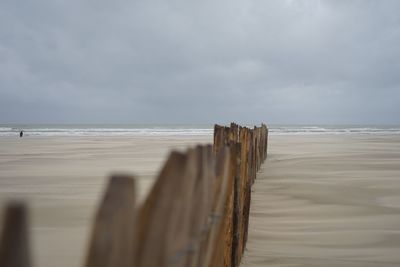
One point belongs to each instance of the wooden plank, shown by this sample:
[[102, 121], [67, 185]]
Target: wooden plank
[[219, 138], [242, 184], [229, 206], [174, 216], [216, 236], [247, 186], [265, 141], [236, 209], [199, 212], [246, 137], [112, 240], [234, 133], [203, 206], [14, 244], [158, 221], [195, 174]]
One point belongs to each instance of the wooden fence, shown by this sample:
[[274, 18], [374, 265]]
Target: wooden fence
[[196, 214]]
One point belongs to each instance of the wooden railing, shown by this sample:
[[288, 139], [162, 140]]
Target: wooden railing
[[196, 214]]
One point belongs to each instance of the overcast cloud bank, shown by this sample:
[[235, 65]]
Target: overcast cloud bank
[[199, 61]]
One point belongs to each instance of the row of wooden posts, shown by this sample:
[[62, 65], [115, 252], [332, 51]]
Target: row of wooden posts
[[196, 214]]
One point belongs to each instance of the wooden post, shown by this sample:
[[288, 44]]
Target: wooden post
[[219, 138], [234, 133], [236, 209], [112, 241], [207, 188], [245, 179], [160, 217], [229, 225], [14, 245], [215, 247]]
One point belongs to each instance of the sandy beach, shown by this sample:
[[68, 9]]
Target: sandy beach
[[319, 200], [62, 179], [327, 200]]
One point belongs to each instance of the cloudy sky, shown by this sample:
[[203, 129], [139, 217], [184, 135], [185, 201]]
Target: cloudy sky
[[182, 61]]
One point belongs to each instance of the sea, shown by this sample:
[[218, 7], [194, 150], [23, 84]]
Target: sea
[[38, 130]]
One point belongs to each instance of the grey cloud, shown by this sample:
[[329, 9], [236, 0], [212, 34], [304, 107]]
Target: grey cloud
[[200, 62]]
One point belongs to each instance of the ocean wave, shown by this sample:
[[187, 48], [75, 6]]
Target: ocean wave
[[333, 130], [4, 131], [188, 131]]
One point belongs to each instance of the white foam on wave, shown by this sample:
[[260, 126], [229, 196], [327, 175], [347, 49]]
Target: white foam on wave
[[306, 130], [4, 131]]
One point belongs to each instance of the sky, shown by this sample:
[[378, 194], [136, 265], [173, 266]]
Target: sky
[[209, 61]]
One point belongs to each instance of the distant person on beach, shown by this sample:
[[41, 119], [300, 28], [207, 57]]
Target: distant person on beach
[[21, 133]]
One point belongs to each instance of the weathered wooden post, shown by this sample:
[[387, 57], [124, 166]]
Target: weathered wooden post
[[219, 138], [112, 240], [252, 152], [205, 203], [157, 222], [215, 246], [236, 208], [265, 141], [14, 244], [230, 227]]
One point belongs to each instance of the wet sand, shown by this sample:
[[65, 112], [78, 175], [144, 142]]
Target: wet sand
[[62, 179], [327, 201]]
